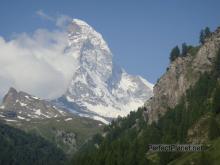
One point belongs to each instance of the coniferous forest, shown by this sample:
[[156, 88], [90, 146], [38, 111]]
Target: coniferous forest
[[18, 147], [126, 140]]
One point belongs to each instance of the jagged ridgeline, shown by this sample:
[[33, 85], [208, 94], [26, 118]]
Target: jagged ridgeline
[[185, 109]]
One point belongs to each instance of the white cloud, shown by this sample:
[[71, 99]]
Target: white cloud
[[36, 64], [61, 21], [43, 15]]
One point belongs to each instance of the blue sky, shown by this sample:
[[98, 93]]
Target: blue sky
[[140, 33]]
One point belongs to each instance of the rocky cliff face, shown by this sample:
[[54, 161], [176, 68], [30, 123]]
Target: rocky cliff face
[[181, 74]]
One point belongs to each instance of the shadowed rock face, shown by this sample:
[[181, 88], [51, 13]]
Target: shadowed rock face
[[67, 138], [10, 97], [182, 73]]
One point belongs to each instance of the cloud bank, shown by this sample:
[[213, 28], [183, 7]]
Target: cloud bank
[[36, 63]]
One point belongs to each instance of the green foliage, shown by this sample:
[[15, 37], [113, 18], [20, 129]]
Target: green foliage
[[126, 139], [184, 50], [207, 32], [17, 147], [204, 34], [216, 100], [217, 64], [204, 159], [175, 52], [211, 156], [189, 50], [216, 96], [121, 144], [193, 50], [83, 128], [202, 37], [214, 130]]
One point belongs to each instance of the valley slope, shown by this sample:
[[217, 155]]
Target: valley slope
[[185, 109], [36, 116]]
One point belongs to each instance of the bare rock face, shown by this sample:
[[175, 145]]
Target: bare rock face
[[68, 139], [182, 74]]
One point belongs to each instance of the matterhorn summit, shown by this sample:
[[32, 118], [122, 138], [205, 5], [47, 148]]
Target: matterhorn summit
[[99, 88]]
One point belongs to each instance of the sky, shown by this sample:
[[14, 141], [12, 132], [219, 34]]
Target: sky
[[140, 33]]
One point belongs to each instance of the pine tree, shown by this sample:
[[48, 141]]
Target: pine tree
[[202, 37], [184, 49], [207, 32], [175, 52], [217, 63], [216, 98], [204, 34], [213, 129], [204, 159]]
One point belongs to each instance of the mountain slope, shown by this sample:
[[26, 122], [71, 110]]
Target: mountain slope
[[182, 74], [99, 88], [211, 156], [193, 119], [18, 147], [31, 114], [22, 106]]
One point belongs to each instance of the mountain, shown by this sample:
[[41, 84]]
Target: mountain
[[99, 88], [22, 106], [42, 118], [181, 75], [185, 109]]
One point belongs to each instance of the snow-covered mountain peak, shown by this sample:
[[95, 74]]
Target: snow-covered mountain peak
[[80, 22], [100, 88], [80, 31], [89, 49]]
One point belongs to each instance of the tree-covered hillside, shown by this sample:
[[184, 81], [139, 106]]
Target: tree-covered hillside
[[20, 148], [194, 119]]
